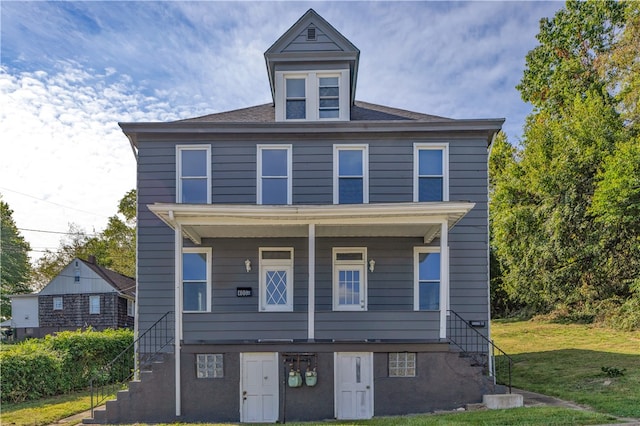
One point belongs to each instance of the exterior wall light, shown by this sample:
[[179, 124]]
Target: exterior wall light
[[372, 265], [247, 265]]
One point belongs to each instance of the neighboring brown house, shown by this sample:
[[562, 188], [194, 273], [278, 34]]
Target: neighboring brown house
[[84, 294]]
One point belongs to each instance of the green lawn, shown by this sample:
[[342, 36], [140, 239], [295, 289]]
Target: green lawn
[[566, 360], [45, 411]]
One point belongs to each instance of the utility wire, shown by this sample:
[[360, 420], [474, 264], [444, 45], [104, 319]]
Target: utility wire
[[51, 202]]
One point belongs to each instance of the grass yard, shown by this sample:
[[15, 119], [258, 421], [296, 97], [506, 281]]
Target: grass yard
[[566, 361], [45, 411]]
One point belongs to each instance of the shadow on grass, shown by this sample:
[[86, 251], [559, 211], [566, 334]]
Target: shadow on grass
[[577, 375]]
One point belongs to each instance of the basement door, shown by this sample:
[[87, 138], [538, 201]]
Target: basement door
[[354, 385], [259, 387]]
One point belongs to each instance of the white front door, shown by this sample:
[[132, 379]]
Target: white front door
[[259, 387], [354, 385]]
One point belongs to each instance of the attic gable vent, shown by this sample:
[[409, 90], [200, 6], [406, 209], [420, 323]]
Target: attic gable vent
[[311, 33]]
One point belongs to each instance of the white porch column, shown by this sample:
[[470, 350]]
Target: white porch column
[[177, 313], [311, 318], [444, 278]]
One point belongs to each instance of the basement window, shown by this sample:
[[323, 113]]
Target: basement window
[[402, 364], [209, 366]]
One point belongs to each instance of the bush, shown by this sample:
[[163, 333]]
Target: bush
[[57, 364]]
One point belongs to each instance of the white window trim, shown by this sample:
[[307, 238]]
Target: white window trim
[[334, 274], [91, 310], [207, 251], [365, 170], [444, 147], [312, 105], [444, 281], [131, 307], [179, 150], [288, 263], [260, 148], [61, 304]]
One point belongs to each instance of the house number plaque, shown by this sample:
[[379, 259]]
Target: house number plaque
[[243, 291]]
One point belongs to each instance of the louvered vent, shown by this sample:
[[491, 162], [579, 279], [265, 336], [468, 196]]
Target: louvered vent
[[311, 33]]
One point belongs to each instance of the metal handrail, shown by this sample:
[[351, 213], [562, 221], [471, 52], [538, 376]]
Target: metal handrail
[[111, 377], [480, 348]]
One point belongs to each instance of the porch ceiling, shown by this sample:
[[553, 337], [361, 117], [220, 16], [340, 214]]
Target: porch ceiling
[[423, 220]]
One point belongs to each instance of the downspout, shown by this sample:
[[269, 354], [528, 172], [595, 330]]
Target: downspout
[[444, 277], [177, 311], [312, 283], [490, 148]]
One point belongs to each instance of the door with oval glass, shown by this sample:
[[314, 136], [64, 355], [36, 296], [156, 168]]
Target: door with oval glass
[[354, 385]]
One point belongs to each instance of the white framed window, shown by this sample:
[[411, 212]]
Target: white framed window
[[427, 278], [193, 171], [57, 303], [94, 305], [131, 307], [276, 279], [430, 172], [274, 183], [209, 366], [295, 97], [312, 95], [196, 279], [349, 279], [350, 174], [402, 364]]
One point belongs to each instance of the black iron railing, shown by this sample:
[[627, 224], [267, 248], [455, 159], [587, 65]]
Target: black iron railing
[[111, 378], [464, 335]]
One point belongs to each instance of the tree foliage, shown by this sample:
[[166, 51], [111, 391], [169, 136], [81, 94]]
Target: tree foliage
[[565, 205], [15, 268], [113, 248]]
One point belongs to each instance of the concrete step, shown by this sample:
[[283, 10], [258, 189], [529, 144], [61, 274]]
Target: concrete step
[[502, 401]]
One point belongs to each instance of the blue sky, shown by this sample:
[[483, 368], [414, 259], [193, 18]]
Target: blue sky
[[71, 70]]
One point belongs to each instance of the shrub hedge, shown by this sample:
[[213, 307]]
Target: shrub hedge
[[57, 364]]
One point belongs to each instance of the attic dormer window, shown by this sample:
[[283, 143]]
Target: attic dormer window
[[311, 34], [312, 95]]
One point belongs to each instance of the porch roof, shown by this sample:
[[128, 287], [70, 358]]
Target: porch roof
[[419, 219]]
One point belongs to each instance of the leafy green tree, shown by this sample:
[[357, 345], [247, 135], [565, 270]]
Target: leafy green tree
[[15, 268], [113, 248]]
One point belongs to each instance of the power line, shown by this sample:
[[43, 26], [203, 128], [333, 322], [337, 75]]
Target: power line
[[59, 232], [51, 202]]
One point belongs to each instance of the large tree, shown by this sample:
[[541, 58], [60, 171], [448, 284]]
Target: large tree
[[565, 204], [15, 268]]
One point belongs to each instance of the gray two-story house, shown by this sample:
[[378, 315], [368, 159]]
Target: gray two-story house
[[312, 250]]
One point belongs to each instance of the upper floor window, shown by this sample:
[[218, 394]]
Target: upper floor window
[[196, 279], [194, 174], [431, 174], [350, 174], [427, 279], [296, 103], [312, 95], [274, 174]]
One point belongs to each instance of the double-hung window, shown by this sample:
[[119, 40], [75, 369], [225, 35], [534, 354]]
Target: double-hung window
[[196, 279], [431, 174], [131, 307], [350, 174], [312, 95], [193, 170], [274, 174], [276, 279], [349, 279], [427, 279], [296, 99]]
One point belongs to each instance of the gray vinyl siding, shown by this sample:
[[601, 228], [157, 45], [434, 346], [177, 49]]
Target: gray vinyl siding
[[390, 286]]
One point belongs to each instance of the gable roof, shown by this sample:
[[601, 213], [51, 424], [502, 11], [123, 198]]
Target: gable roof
[[360, 111], [124, 284], [327, 44]]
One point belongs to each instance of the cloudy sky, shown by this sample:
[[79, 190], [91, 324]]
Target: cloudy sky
[[70, 71]]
